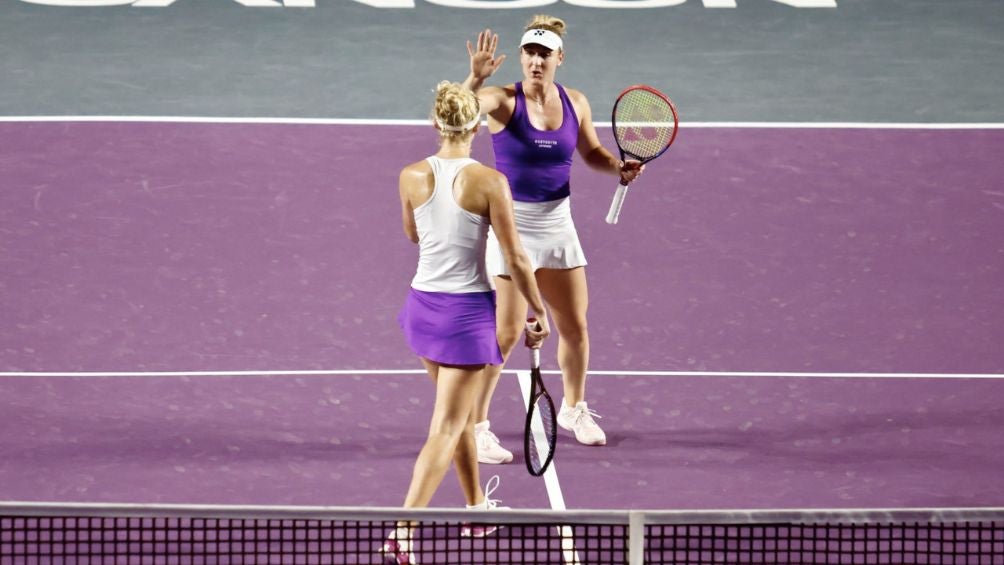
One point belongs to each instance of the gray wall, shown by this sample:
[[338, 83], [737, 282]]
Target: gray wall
[[865, 60]]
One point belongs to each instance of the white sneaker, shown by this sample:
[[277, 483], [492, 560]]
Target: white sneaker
[[580, 420], [489, 449], [396, 549], [482, 530]]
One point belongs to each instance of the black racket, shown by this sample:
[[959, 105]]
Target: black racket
[[540, 432], [645, 123]]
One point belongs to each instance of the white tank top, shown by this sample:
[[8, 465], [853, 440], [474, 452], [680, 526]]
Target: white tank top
[[451, 240]]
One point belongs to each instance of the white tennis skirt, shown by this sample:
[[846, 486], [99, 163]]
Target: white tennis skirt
[[548, 235]]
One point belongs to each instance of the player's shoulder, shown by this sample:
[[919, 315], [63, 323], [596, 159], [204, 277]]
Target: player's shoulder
[[416, 172], [482, 172], [485, 177], [494, 91], [418, 168], [575, 95]]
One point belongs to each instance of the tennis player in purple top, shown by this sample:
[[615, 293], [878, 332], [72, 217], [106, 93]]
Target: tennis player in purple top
[[537, 125], [448, 202]]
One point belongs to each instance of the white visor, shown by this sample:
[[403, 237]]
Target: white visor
[[543, 37]]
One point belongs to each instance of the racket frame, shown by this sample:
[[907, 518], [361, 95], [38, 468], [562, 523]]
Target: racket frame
[[538, 391], [621, 192], [613, 122]]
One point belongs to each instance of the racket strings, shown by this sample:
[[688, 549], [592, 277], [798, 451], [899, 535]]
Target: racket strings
[[540, 452], [644, 124]]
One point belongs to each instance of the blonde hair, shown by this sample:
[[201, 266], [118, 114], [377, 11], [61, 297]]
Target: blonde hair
[[550, 23], [455, 107]]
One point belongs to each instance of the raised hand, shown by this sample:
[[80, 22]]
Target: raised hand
[[483, 60]]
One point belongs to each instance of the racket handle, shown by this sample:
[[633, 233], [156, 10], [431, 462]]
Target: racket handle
[[533, 324], [615, 206]]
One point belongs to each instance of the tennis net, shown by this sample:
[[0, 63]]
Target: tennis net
[[127, 534]]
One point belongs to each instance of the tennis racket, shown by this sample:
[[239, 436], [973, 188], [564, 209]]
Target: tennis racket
[[540, 432], [645, 123]]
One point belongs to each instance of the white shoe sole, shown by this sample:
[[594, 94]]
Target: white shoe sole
[[494, 461]]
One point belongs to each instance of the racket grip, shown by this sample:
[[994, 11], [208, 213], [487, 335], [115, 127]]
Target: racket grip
[[615, 206], [533, 324]]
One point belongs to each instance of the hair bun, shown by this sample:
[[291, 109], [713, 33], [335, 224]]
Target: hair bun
[[456, 106]]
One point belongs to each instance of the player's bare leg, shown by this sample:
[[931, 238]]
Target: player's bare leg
[[510, 312], [455, 390], [567, 298], [566, 294]]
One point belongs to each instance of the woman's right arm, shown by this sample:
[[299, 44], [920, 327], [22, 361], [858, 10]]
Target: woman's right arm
[[501, 216]]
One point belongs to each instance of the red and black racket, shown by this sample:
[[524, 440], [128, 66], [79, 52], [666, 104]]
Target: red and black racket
[[645, 124], [540, 432]]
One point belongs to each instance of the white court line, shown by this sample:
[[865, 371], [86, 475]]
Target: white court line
[[800, 375], [351, 372], [318, 372], [568, 552], [426, 123], [551, 474]]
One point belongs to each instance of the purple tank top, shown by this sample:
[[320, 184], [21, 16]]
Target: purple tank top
[[537, 163]]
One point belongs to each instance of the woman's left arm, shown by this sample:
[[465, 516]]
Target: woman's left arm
[[590, 148], [405, 182]]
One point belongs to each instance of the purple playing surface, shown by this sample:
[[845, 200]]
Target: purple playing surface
[[674, 442], [200, 247]]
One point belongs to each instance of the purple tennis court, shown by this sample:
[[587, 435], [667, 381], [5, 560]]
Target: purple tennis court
[[795, 329], [759, 283]]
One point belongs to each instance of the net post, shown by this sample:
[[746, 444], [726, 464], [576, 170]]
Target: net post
[[636, 537]]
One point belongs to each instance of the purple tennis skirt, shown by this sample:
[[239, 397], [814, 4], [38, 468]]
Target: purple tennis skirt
[[451, 329]]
